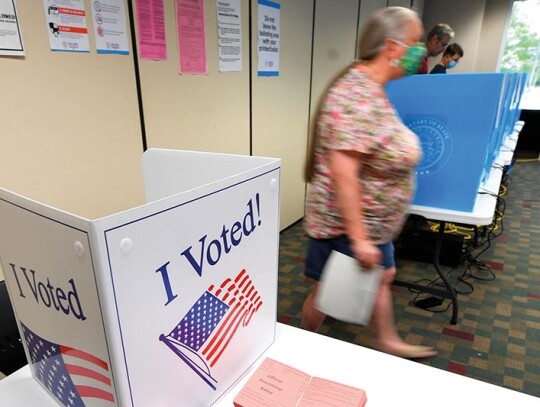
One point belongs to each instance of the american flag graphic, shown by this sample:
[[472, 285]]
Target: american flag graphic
[[69, 374], [203, 334]]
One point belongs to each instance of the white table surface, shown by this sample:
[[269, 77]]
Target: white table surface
[[387, 380]]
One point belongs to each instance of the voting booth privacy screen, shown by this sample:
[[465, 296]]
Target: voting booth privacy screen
[[461, 120], [166, 304]]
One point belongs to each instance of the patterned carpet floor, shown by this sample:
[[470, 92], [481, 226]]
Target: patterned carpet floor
[[497, 335]]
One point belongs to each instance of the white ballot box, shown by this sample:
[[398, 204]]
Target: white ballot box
[[166, 304]]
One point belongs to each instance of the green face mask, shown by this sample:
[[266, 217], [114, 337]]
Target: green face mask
[[410, 62]]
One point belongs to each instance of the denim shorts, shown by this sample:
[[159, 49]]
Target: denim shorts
[[319, 250]]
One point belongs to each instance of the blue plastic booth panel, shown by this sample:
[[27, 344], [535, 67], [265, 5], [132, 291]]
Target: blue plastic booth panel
[[501, 122], [523, 80], [454, 117]]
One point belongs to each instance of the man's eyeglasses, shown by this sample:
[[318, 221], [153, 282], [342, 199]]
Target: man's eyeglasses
[[444, 44]]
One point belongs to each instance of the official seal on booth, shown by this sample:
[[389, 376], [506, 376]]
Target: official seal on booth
[[436, 141]]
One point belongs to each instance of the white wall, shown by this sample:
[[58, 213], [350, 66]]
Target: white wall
[[367, 7], [231, 112], [401, 3], [479, 26], [281, 104], [70, 125], [197, 112], [418, 6], [338, 24], [71, 130], [334, 42], [491, 45]]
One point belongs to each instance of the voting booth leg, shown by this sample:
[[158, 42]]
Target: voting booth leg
[[449, 292]]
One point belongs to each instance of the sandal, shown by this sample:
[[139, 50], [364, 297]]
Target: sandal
[[410, 351], [415, 352]]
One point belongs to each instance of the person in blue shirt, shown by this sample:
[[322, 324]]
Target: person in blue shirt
[[451, 56]]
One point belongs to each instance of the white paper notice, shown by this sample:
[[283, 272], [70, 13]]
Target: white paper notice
[[110, 27], [229, 35], [66, 24], [346, 292], [268, 44], [10, 35]]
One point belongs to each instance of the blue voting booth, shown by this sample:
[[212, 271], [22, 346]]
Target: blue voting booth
[[515, 110], [461, 120], [502, 122]]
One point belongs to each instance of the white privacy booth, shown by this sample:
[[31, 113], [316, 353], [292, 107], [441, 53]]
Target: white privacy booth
[[166, 304]]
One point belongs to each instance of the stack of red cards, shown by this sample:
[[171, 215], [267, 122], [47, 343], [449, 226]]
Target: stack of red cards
[[275, 384]]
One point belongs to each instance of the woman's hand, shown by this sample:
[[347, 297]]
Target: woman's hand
[[367, 254]]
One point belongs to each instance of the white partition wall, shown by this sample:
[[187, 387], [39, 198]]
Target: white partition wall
[[334, 43], [213, 112], [281, 104], [467, 27], [496, 19], [70, 123], [418, 6], [197, 112], [479, 26], [367, 7], [338, 23], [401, 3]]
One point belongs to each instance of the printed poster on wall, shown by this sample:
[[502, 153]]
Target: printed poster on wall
[[151, 30], [190, 24], [66, 25], [268, 44], [110, 27], [10, 35], [229, 35]]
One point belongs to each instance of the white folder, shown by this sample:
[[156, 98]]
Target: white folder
[[346, 291]]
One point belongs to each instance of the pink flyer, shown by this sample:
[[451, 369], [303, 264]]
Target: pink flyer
[[191, 36], [151, 30]]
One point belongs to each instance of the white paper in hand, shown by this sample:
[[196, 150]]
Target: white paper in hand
[[346, 292]]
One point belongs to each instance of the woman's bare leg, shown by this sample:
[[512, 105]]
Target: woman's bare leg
[[383, 325], [312, 318]]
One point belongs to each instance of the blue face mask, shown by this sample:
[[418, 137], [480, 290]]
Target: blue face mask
[[451, 64]]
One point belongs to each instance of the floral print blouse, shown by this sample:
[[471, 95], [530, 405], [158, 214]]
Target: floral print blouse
[[356, 116]]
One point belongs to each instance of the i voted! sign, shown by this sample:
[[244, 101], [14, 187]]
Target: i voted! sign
[[168, 303], [202, 273], [48, 267]]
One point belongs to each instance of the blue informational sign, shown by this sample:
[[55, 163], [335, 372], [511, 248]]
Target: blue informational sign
[[455, 117]]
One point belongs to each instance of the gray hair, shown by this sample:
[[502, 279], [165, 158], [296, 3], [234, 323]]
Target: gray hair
[[384, 24], [440, 31]]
